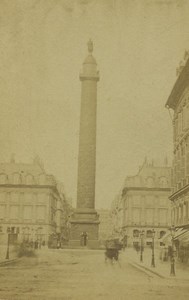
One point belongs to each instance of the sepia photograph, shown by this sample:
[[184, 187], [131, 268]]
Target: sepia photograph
[[94, 149]]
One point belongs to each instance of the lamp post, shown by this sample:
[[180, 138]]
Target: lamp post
[[141, 245], [153, 258], [172, 272], [8, 240], [23, 234]]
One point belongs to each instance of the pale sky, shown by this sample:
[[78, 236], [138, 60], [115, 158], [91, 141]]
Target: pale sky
[[138, 46]]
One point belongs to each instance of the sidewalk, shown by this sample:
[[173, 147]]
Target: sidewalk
[[161, 269]]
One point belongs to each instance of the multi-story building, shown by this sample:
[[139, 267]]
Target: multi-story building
[[105, 226], [178, 101], [145, 204], [31, 206], [117, 215]]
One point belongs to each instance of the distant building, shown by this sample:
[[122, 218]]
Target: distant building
[[31, 207], [117, 215], [145, 204], [105, 226], [179, 102]]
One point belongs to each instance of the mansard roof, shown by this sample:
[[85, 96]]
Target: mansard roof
[[26, 174], [10, 168], [150, 176], [181, 84]]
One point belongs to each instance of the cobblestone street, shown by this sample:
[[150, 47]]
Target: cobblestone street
[[83, 274]]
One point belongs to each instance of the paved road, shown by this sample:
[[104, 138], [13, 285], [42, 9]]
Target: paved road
[[83, 274]]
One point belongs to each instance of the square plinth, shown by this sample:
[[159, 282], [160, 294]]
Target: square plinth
[[84, 229]]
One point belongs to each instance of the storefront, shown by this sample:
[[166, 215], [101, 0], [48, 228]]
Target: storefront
[[180, 240]]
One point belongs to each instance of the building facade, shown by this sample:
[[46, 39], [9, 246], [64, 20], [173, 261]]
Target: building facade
[[178, 101], [31, 207], [117, 215], [145, 205], [106, 225]]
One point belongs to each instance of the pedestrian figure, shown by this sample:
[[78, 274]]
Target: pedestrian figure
[[84, 238], [36, 244], [124, 241], [81, 240]]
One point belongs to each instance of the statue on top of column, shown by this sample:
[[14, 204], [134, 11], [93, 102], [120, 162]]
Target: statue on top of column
[[90, 46]]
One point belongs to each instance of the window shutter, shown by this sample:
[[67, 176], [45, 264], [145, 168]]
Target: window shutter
[[187, 163]]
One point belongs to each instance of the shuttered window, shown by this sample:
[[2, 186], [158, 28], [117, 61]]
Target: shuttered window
[[179, 123], [183, 162], [176, 128], [178, 166], [187, 163], [184, 117], [187, 116]]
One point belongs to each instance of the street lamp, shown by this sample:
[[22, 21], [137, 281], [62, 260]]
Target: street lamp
[[8, 240], [172, 229], [153, 258], [23, 234], [141, 245]]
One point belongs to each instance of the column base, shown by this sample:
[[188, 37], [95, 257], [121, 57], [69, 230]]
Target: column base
[[84, 229]]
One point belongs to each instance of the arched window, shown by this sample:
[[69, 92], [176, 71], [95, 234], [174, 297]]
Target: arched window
[[135, 233], [26, 233], [16, 178], [163, 182], [162, 233], [3, 178], [42, 179], [149, 233], [150, 182], [29, 179]]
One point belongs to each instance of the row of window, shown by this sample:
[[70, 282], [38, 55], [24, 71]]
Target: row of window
[[149, 233], [23, 230], [180, 214], [27, 196], [29, 179], [26, 213], [149, 215], [180, 165], [13, 230], [161, 182], [181, 121], [150, 200]]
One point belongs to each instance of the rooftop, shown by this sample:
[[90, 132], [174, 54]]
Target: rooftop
[[180, 85], [150, 176]]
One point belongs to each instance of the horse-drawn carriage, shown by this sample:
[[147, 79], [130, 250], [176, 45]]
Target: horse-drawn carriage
[[112, 249]]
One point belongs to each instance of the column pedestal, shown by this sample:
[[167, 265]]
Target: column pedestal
[[84, 221]]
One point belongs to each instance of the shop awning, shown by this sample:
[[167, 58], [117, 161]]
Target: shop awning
[[183, 238], [180, 233], [166, 239]]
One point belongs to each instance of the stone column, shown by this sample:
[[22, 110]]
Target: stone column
[[85, 220], [87, 138]]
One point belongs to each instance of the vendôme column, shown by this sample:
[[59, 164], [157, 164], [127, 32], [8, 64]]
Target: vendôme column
[[84, 222]]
